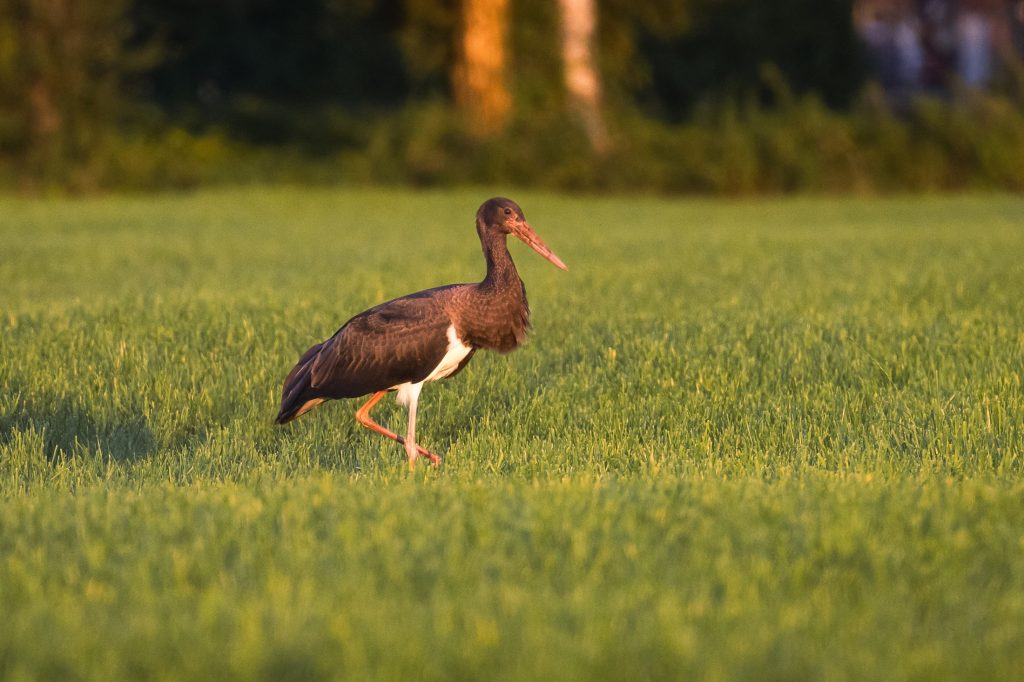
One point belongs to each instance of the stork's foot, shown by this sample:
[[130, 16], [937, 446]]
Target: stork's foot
[[419, 452]]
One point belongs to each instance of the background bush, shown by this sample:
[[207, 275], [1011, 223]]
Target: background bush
[[705, 96]]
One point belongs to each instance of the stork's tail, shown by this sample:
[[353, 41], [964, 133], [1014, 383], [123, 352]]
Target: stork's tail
[[298, 396]]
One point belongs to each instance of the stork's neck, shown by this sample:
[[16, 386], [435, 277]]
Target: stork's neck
[[500, 268], [496, 314]]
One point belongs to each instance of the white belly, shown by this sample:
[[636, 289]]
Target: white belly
[[453, 357]]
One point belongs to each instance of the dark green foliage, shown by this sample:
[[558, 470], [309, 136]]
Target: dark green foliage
[[798, 145], [265, 71], [706, 96], [63, 65], [730, 42], [735, 149]]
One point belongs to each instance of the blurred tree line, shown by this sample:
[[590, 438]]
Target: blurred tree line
[[670, 95]]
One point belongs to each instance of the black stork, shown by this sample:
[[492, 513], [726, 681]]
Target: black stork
[[402, 344]]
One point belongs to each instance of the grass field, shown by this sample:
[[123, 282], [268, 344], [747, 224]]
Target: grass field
[[768, 439]]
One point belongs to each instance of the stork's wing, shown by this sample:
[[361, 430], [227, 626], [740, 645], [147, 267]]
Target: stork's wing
[[395, 342]]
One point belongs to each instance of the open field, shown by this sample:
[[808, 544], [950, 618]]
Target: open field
[[767, 439]]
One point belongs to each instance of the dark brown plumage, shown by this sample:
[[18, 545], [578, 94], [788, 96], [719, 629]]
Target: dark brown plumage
[[422, 337]]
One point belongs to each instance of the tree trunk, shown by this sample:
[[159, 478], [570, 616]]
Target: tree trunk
[[582, 79], [479, 77]]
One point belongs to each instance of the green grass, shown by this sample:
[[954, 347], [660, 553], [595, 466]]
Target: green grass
[[770, 439]]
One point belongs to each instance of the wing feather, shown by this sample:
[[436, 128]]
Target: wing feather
[[392, 343]]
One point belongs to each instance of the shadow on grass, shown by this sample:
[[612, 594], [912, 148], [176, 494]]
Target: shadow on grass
[[329, 438], [68, 428]]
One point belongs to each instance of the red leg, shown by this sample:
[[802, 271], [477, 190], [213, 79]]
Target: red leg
[[364, 418]]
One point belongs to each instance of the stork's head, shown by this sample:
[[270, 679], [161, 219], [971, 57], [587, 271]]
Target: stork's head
[[505, 216]]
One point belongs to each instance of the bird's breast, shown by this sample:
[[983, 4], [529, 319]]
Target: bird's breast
[[501, 325]]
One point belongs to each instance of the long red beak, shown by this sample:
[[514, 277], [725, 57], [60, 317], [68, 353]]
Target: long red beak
[[523, 230]]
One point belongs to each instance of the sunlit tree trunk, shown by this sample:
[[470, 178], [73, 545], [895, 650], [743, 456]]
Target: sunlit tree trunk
[[582, 79], [479, 77]]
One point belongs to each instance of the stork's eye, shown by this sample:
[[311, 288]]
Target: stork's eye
[[508, 211]]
